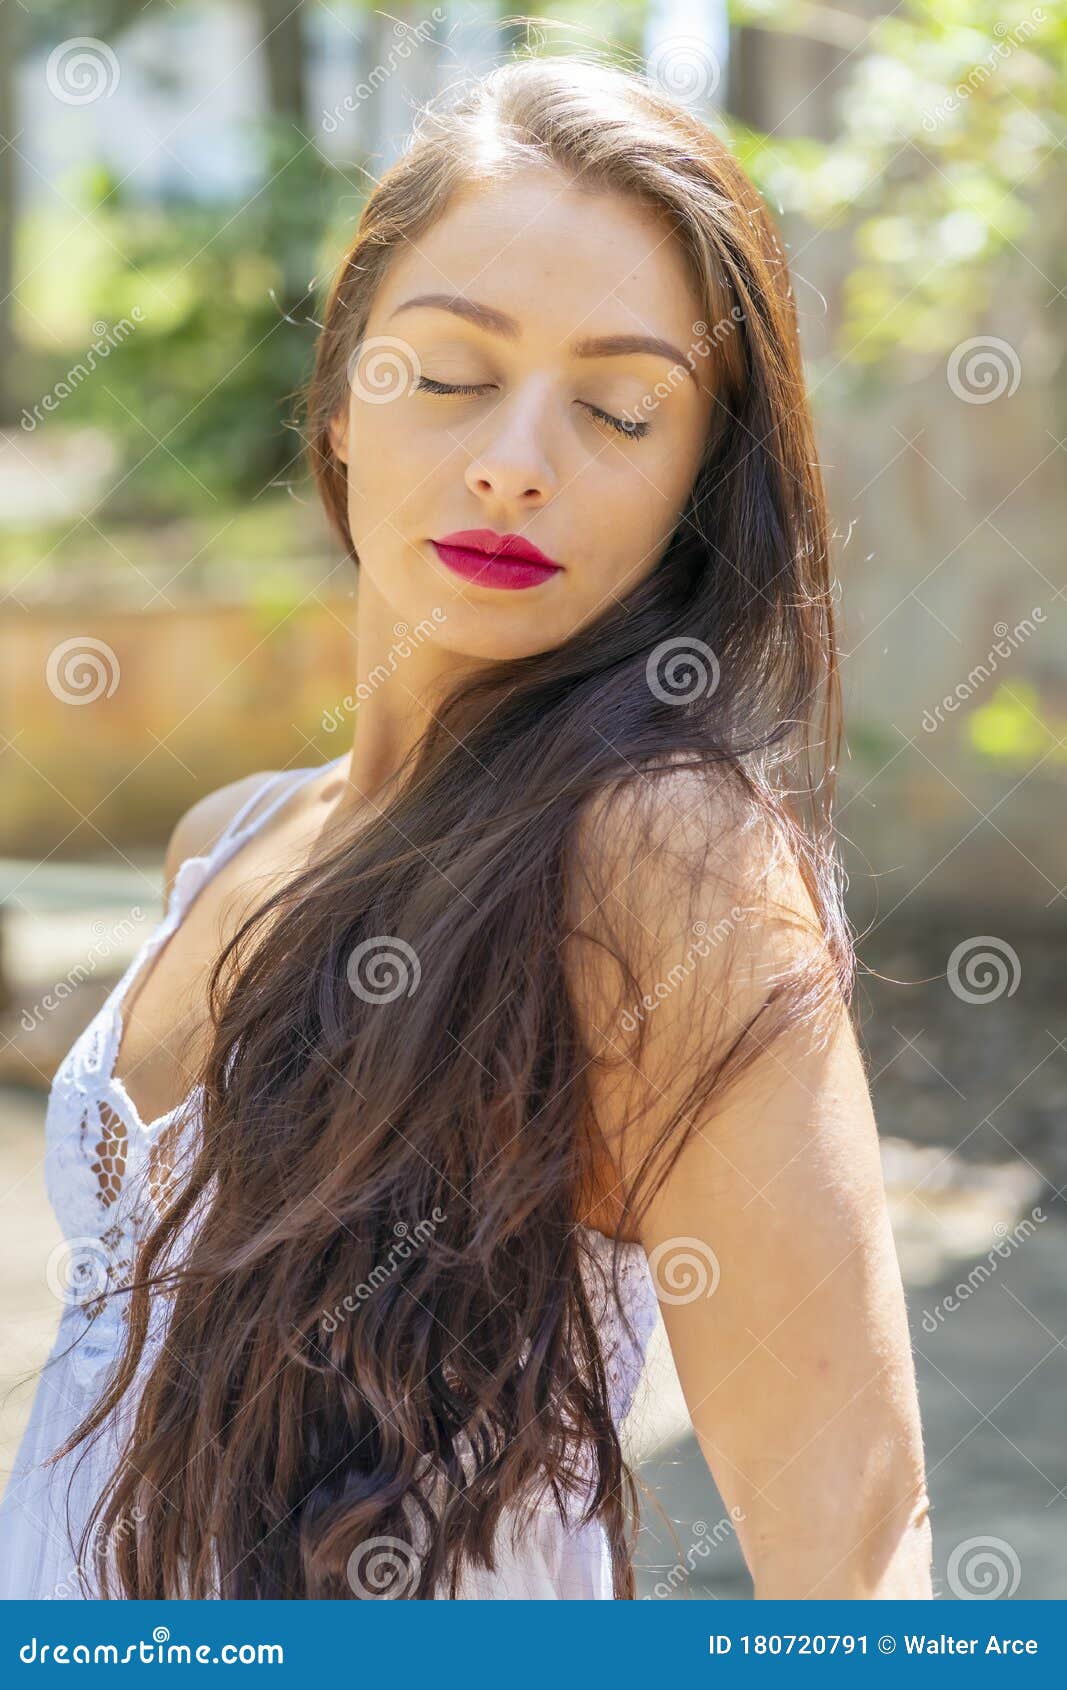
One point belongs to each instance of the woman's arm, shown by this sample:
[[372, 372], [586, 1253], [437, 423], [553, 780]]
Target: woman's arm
[[769, 1240], [797, 1369]]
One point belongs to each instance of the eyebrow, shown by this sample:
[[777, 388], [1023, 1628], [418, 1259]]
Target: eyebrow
[[499, 323]]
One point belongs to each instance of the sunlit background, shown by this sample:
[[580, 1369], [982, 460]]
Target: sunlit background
[[177, 181]]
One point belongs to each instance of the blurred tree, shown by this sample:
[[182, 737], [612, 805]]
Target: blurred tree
[[941, 138]]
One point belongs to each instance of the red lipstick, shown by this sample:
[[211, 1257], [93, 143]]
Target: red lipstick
[[495, 560]]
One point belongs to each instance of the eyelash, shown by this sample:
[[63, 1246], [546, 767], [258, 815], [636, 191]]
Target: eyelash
[[633, 431]]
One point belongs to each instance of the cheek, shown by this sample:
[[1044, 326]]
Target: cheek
[[644, 513], [379, 462], [391, 458]]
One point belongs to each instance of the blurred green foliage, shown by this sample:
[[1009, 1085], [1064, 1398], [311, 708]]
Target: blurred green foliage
[[1011, 729], [947, 147], [199, 393]]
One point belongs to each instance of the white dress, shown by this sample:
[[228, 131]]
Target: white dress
[[105, 1170]]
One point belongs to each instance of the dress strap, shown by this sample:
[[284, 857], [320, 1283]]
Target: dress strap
[[239, 823]]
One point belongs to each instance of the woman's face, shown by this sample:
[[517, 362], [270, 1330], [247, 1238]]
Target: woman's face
[[527, 447]]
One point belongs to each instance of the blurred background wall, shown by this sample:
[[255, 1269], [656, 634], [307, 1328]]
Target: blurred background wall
[[177, 183]]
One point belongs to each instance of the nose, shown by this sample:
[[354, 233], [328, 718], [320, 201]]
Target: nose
[[511, 464]]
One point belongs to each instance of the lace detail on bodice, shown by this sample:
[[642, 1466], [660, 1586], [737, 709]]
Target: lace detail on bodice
[[108, 1172]]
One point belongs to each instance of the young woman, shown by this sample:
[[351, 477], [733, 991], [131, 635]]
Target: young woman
[[456, 1059]]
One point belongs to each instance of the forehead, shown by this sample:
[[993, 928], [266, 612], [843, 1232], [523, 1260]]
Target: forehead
[[563, 259]]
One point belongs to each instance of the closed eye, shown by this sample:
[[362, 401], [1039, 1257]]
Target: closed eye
[[626, 427]]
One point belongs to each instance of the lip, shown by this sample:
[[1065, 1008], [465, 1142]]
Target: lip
[[495, 560]]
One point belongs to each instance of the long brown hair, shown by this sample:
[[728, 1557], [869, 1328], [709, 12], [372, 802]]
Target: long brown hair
[[274, 1437]]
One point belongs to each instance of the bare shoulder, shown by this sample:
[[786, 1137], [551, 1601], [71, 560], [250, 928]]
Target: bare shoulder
[[203, 823], [688, 856], [693, 940], [682, 818]]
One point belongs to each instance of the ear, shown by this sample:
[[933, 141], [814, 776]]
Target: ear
[[338, 431]]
